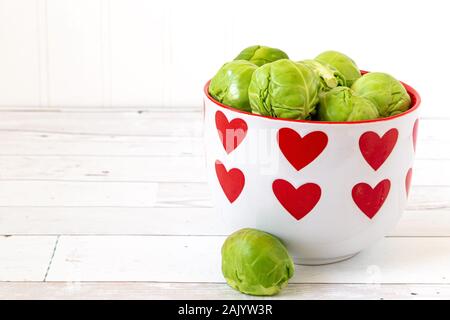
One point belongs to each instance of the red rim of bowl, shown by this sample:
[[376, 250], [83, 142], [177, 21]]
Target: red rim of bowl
[[415, 101]]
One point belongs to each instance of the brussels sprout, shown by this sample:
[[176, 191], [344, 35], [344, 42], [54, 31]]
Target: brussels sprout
[[230, 84], [260, 55], [284, 89], [329, 76], [255, 262], [346, 66], [341, 104], [386, 92]]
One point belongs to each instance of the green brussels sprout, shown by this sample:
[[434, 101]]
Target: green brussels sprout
[[260, 55], [230, 84], [284, 89], [386, 92], [346, 66], [341, 104], [329, 76], [255, 262]]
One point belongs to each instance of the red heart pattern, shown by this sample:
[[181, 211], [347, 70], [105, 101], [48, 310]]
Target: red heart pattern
[[370, 200], [232, 181], [414, 134], [301, 151], [297, 201], [375, 149], [408, 181], [231, 133]]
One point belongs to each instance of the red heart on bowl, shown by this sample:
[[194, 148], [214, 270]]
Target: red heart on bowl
[[370, 200], [232, 181], [408, 181], [375, 149], [301, 151], [297, 201], [231, 133]]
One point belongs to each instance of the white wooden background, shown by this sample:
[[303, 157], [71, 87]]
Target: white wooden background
[[102, 186], [142, 53], [114, 204]]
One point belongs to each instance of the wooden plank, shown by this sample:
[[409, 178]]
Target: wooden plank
[[183, 122], [429, 198], [197, 259], [125, 109], [155, 194], [97, 194], [136, 258], [25, 258], [168, 221], [46, 193], [152, 194], [151, 169], [137, 68], [207, 291], [423, 223], [101, 220], [154, 169], [392, 260], [58, 207]]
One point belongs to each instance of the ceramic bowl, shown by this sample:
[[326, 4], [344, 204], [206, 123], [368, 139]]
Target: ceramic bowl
[[326, 189]]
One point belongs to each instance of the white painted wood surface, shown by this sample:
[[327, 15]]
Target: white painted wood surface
[[114, 204], [25, 258], [200, 291]]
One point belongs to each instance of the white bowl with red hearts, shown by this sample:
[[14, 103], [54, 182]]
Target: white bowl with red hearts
[[326, 189]]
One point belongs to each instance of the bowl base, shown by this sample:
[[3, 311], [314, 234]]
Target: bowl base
[[317, 262]]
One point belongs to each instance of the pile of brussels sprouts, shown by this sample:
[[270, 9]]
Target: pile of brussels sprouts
[[263, 80]]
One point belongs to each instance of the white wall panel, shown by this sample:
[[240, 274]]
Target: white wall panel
[[75, 54], [201, 41], [137, 52], [19, 54], [141, 53]]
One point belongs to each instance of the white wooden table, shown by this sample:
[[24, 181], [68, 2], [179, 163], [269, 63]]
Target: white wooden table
[[114, 204]]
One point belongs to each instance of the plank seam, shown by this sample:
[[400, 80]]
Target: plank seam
[[187, 181], [51, 258]]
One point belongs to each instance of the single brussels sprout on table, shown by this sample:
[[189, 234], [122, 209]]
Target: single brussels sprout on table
[[230, 84], [255, 262], [346, 66], [329, 76], [261, 55], [284, 89], [386, 92], [341, 104]]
